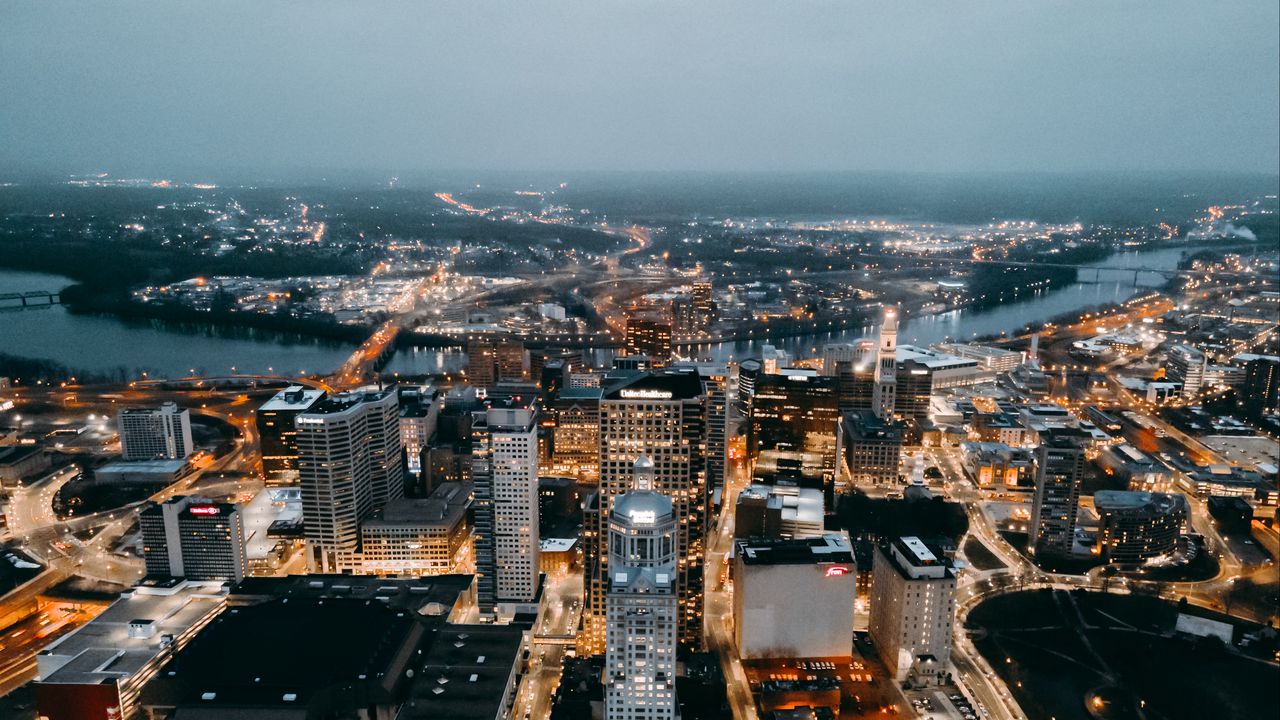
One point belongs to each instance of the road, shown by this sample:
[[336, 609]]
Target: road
[[553, 633], [719, 603]]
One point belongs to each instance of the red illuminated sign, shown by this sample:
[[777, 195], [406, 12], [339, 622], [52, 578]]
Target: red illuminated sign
[[837, 571], [203, 510]]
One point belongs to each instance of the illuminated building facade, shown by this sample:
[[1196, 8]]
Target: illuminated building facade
[[504, 471], [641, 605], [649, 333], [189, 537], [658, 414], [913, 604], [348, 464], [1056, 503]]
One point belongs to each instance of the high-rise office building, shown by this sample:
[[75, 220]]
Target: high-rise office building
[[1187, 365], [419, 415], [884, 393], [348, 464], [1260, 393], [505, 473], [277, 433], [659, 414], [871, 447], [795, 412], [704, 307], [649, 333], [1056, 503], [913, 606], [575, 439], [836, 354], [194, 538], [749, 372], [155, 433], [491, 360], [715, 388], [641, 604], [914, 391]]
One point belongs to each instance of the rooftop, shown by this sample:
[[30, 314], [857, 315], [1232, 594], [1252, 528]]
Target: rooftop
[[466, 673], [294, 397], [446, 505], [1132, 500], [271, 654], [131, 633], [830, 548]]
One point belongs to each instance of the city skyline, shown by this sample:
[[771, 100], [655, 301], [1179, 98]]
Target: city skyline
[[579, 360]]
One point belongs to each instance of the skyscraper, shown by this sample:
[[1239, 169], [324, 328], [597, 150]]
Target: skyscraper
[[154, 433], [495, 359], [704, 307], [1059, 465], [348, 464], [886, 375], [193, 538], [1260, 394], [715, 390], [505, 472], [795, 412], [641, 606], [658, 414], [277, 435], [649, 333]]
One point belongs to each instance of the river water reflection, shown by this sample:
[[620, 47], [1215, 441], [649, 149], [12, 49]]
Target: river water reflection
[[112, 346]]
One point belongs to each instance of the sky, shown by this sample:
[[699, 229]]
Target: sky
[[163, 88]]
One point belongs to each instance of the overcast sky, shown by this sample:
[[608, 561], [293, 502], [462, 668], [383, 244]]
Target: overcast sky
[[796, 85]]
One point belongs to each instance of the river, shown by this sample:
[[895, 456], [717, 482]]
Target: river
[[110, 345]]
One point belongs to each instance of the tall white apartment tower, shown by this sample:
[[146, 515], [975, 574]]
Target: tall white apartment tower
[[505, 473], [884, 392], [153, 433], [642, 610], [348, 464]]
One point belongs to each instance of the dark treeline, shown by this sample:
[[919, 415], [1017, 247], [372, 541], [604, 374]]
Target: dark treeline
[[29, 371], [86, 299]]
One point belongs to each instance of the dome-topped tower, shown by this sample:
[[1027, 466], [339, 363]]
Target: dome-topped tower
[[641, 603]]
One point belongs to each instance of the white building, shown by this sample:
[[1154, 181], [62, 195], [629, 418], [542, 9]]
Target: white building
[[505, 473], [781, 589], [348, 464], [642, 609], [913, 606], [149, 434], [884, 392]]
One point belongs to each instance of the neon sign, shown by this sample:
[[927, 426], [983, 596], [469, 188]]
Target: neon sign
[[203, 510], [837, 571], [647, 394]]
